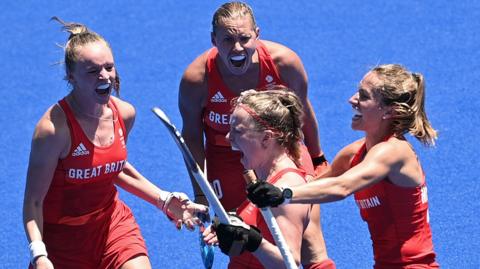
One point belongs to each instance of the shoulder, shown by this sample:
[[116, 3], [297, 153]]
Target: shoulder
[[52, 129], [193, 86], [196, 70], [282, 55], [344, 157], [290, 179], [290, 67], [126, 111], [53, 121], [393, 152]]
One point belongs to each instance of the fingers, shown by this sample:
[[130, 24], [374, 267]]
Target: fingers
[[210, 237]]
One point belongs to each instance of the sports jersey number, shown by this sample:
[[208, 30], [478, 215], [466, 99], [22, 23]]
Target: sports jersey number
[[217, 188]]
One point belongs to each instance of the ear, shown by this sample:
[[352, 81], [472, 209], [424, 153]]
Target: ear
[[388, 113], [212, 38], [268, 137], [257, 32]]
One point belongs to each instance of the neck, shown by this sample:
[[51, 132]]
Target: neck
[[94, 111], [373, 139], [272, 166]]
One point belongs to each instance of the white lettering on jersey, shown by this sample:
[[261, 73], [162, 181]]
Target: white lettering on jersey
[[84, 173], [424, 194], [368, 203], [89, 173], [219, 118]]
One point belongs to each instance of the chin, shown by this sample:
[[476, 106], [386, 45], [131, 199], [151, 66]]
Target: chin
[[355, 127], [237, 71]]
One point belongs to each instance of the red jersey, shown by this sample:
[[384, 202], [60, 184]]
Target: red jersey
[[85, 224], [82, 187], [252, 215], [398, 222], [224, 170]]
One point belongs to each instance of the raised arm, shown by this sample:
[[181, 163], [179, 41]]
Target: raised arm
[[379, 162], [192, 97]]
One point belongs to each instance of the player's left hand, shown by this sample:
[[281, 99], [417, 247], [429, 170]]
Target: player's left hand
[[184, 212], [264, 194], [235, 238]]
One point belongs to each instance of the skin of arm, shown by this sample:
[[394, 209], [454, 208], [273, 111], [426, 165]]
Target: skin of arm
[[379, 162], [292, 220], [49, 143], [192, 97], [294, 75], [130, 179]]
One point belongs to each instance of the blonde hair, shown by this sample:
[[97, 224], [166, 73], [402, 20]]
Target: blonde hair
[[80, 36], [405, 92], [279, 110], [232, 10]]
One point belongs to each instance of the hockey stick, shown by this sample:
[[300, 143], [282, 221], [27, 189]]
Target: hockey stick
[[250, 177], [193, 167], [206, 251]]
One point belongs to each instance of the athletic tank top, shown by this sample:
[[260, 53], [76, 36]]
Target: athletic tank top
[[253, 216], [398, 221], [224, 170], [216, 114], [82, 189]]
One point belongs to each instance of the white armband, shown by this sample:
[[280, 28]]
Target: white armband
[[163, 199], [37, 249]]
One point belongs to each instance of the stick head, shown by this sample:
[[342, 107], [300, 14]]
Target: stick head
[[161, 114]]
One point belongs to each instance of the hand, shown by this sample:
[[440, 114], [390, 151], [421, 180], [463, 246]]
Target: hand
[[42, 262], [209, 236], [264, 194], [320, 166], [182, 211], [237, 237]]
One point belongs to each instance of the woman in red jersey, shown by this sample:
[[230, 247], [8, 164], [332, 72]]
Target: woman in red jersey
[[266, 130], [239, 61], [72, 215], [381, 169]]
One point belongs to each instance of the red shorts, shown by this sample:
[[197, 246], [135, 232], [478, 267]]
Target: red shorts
[[326, 264], [105, 243]]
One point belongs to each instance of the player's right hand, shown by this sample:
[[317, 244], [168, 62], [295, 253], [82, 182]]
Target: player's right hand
[[184, 212], [43, 262]]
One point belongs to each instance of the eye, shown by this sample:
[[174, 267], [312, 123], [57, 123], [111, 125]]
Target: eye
[[244, 39], [228, 39], [109, 68], [92, 71], [362, 94]]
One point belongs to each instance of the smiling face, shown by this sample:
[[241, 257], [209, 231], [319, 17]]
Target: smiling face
[[245, 138], [369, 111], [236, 41], [93, 75]]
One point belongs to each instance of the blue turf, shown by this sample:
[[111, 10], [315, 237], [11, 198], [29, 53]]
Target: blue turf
[[339, 41]]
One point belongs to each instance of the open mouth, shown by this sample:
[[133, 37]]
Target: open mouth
[[238, 60], [356, 114], [103, 89], [234, 148]]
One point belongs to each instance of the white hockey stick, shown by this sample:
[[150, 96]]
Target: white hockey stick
[[290, 263], [194, 168]]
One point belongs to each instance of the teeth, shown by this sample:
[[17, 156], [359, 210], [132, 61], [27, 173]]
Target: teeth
[[238, 58], [104, 86], [234, 148], [356, 112]]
